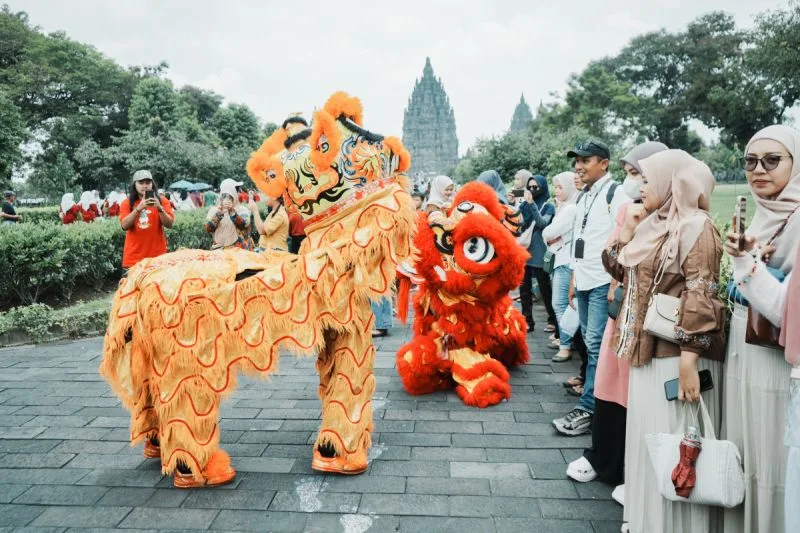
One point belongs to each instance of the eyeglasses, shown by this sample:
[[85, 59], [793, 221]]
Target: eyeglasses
[[768, 162]]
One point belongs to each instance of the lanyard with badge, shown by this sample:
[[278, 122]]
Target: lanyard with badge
[[579, 243]]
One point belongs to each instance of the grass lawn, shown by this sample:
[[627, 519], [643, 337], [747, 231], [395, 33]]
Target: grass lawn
[[723, 201]]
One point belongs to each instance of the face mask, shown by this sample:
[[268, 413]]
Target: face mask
[[632, 188]]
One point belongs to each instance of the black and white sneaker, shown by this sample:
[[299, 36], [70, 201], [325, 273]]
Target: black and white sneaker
[[576, 422]]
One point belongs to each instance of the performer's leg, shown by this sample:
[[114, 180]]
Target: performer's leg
[[346, 384], [188, 413], [482, 381], [421, 367]]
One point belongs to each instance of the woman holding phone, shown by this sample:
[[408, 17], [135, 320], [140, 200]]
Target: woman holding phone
[[144, 215], [668, 245], [229, 222], [757, 379]]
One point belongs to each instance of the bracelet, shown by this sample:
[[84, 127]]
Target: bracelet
[[749, 276]]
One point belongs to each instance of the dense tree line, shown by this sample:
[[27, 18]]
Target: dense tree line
[[92, 122], [734, 80]]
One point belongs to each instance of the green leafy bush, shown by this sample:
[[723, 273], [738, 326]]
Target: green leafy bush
[[42, 261], [32, 215], [35, 320]]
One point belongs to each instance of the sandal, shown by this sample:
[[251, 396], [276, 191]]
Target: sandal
[[577, 390], [549, 328], [562, 356], [377, 333], [573, 381]]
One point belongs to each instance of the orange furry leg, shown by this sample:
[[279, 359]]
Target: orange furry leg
[[217, 472], [482, 381], [346, 384], [421, 369]]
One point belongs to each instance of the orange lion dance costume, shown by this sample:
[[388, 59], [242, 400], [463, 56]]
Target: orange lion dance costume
[[466, 329], [185, 324]]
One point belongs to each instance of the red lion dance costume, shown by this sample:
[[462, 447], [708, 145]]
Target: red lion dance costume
[[185, 324], [466, 329]]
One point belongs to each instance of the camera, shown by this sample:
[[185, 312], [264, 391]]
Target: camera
[[517, 193]]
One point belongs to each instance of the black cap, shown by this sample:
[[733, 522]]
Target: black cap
[[8, 194], [590, 148]]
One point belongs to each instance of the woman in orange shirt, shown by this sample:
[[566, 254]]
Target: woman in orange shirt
[[143, 215]]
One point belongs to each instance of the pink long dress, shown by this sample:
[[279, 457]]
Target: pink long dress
[[611, 379]]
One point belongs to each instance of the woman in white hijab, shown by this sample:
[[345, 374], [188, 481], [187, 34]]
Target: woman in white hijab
[[88, 204], [558, 238], [229, 222], [757, 378], [440, 194], [68, 211]]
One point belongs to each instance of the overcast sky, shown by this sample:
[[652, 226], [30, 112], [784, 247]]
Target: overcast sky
[[280, 57]]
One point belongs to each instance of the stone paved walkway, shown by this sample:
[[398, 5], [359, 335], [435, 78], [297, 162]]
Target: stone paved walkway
[[436, 465]]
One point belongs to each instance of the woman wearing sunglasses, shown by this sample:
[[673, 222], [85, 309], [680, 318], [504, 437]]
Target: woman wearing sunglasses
[[757, 374]]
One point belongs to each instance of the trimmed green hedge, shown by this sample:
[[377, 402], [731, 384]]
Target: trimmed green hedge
[[39, 214], [45, 261]]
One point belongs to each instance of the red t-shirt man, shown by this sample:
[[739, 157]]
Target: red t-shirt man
[[146, 237]]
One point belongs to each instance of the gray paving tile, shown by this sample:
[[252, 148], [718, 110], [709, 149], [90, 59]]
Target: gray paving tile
[[61, 495], [488, 506], [350, 523], [42, 476], [230, 499], [27, 446], [151, 518], [9, 491], [121, 478], [366, 484], [405, 504], [82, 516], [515, 455], [430, 524], [581, 509], [533, 488], [260, 521], [448, 486], [411, 468], [89, 447], [306, 500], [99, 461], [433, 453], [125, 496], [19, 515], [279, 465], [539, 525], [490, 470]]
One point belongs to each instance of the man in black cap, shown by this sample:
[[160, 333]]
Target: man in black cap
[[9, 215], [597, 209]]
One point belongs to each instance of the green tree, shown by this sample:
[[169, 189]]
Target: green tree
[[54, 178], [155, 107], [12, 133], [202, 104], [773, 56], [236, 125]]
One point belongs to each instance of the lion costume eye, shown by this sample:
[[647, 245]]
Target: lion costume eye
[[479, 250]]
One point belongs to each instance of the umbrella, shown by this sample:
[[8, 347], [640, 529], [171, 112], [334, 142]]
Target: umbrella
[[200, 187], [182, 184]]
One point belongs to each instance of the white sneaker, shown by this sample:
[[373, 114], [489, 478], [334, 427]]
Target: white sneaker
[[625, 528], [619, 494], [581, 470]]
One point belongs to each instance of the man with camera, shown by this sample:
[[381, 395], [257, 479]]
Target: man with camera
[[143, 215]]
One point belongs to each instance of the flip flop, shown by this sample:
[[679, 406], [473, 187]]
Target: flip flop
[[573, 382]]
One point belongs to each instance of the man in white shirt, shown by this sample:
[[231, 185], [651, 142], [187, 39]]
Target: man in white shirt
[[596, 212]]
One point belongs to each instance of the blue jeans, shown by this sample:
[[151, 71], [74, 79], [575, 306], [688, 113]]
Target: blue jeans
[[792, 486], [382, 309], [561, 277], [593, 312]]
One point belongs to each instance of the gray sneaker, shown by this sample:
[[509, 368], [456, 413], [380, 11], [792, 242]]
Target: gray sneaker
[[576, 422]]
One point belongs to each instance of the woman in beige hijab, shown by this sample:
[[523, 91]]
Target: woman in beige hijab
[[669, 245], [757, 378]]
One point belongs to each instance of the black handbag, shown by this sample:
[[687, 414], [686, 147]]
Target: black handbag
[[549, 262]]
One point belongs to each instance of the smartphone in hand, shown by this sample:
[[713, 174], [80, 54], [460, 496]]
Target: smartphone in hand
[[741, 220], [671, 386]]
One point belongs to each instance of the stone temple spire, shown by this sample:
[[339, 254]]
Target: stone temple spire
[[429, 127], [522, 118]]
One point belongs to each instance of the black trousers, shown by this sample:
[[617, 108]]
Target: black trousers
[[579, 346], [296, 240], [607, 454], [526, 293]]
